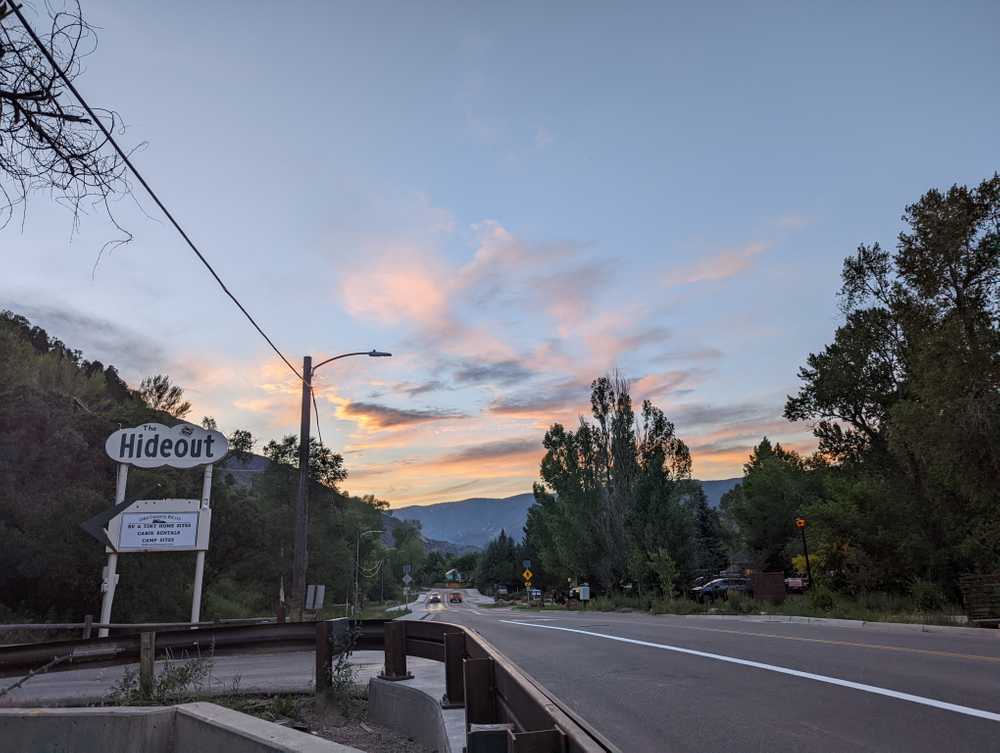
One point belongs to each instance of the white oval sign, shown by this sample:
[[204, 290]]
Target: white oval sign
[[154, 445]]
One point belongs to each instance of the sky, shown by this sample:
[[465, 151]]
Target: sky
[[512, 198]]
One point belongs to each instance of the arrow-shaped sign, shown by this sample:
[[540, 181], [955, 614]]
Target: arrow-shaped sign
[[97, 526]]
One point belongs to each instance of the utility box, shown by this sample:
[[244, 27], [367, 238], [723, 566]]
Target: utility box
[[769, 587]]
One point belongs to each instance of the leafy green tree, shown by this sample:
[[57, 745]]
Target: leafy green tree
[[710, 555], [498, 564], [325, 466], [906, 399], [777, 486], [241, 443], [613, 494], [162, 396]]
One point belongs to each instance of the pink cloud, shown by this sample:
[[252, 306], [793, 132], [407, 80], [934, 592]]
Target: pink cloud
[[718, 267], [403, 285]]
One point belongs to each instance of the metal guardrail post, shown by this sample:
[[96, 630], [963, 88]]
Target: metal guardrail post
[[324, 657], [333, 637], [395, 652], [480, 692], [147, 663], [454, 681], [88, 626]]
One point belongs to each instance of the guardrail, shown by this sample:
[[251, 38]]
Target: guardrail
[[88, 625], [504, 709]]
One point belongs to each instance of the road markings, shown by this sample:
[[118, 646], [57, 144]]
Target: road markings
[[932, 702]]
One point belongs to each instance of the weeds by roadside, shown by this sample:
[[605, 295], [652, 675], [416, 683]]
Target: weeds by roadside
[[875, 607], [178, 681], [820, 602]]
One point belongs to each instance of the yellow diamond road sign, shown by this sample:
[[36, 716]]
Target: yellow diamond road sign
[[527, 574]]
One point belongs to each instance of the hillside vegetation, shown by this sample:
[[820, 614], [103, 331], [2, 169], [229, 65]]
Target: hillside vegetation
[[57, 409]]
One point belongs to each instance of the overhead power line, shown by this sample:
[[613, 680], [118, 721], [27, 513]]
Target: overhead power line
[[121, 153], [316, 411]]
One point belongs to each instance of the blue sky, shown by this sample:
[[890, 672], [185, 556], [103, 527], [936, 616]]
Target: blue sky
[[513, 199]]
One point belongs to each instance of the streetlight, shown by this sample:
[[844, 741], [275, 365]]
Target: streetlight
[[357, 567], [302, 498]]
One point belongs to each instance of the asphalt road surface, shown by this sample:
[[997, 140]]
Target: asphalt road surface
[[697, 684], [670, 684]]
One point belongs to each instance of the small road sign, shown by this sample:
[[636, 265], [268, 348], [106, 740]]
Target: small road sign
[[527, 574], [526, 564], [800, 522], [407, 579]]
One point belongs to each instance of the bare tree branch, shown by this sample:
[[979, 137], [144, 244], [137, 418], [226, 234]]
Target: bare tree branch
[[48, 143]]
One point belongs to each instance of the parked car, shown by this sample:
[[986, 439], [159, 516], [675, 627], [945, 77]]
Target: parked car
[[796, 585], [720, 588], [501, 590], [535, 593], [455, 597]]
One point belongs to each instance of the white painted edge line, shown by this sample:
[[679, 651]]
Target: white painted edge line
[[932, 702]]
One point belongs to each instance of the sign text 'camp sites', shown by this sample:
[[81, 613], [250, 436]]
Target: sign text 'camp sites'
[[154, 445], [171, 530]]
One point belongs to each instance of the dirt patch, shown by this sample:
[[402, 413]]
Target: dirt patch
[[340, 720]]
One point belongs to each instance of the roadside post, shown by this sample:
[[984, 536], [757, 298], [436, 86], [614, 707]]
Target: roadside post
[[800, 523], [407, 580], [157, 525], [110, 579]]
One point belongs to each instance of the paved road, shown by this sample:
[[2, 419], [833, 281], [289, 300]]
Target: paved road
[[285, 672], [711, 685], [717, 685]]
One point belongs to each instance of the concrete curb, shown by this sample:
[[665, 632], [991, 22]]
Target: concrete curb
[[839, 622]]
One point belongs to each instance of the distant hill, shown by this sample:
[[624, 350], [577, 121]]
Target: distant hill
[[475, 522], [715, 489], [471, 522], [245, 469]]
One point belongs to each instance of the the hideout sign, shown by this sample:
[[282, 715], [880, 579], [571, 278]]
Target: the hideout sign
[[157, 525], [155, 445]]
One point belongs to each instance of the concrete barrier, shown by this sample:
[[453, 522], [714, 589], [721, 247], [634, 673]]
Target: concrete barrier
[[407, 710], [91, 730], [187, 728]]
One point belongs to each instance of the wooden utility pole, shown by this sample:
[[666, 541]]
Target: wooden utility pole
[[302, 497]]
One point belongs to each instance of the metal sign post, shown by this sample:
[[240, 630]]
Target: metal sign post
[[111, 571], [199, 562], [800, 523]]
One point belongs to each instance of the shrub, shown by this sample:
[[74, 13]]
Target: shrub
[[927, 596], [180, 680], [821, 598]]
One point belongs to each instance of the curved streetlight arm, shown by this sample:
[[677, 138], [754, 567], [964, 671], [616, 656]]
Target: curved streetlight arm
[[370, 353]]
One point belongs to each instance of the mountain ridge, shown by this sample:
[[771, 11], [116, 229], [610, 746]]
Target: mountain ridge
[[475, 521]]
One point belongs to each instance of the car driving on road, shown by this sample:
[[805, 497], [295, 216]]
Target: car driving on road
[[454, 598], [434, 599]]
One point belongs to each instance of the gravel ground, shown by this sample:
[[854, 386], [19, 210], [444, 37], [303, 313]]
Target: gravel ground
[[327, 720]]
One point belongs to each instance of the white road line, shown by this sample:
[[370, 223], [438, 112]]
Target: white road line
[[932, 702]]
